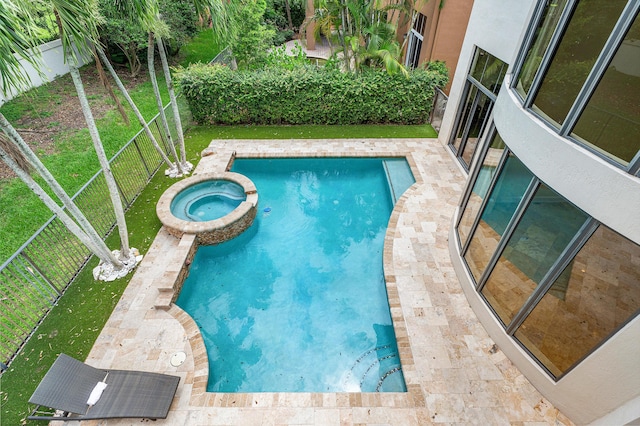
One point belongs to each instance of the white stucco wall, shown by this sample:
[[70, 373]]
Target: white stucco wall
[[602, 190], [605, 387], [496, 26], [53, 66]]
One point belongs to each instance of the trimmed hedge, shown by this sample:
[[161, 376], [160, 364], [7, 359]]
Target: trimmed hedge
[[308, 95]]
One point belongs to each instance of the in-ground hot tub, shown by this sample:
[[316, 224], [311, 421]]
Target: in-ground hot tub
[[216, 207]]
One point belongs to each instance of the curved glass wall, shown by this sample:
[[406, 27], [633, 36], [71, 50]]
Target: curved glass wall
[[580, 72], [595, 295], [546, 26], [560, 282], [546, 228], [582, 41], [610, 122], [483, 83], [513, 180], [482, 183]]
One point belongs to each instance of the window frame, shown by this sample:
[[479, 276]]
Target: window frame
[[622, 26]]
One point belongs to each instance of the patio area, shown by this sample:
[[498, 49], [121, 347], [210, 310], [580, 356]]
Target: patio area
[[454, 372]]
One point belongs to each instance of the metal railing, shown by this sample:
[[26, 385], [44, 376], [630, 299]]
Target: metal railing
[[225, 57], [34, 277], [437, 112]]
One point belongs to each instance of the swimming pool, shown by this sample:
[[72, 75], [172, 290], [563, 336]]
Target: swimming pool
[[298, 302]]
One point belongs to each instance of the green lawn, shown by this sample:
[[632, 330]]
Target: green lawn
[[74, 161], [75, 322], [369, 131], [200, 49]]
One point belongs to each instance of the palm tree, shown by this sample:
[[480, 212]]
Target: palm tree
[[364, 30], [20, 166], [77, 24], [173, 168], [146, 13], [15, 31], [287, 8]]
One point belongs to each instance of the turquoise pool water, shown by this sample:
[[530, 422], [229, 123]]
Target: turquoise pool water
[[207, 200], [298, 302]]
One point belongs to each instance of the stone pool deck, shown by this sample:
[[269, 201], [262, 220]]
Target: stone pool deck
[[454, 372]]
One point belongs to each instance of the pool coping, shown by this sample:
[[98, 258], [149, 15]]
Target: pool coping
[[453, 370], [199, 394], [210, 231]]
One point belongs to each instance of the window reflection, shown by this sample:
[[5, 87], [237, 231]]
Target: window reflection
[[488, 72], [582, 42], [503, 201], [480, 187], [611, 120], [545, 230], [595, 295], [547, 25], [480, 117], [467, 111]]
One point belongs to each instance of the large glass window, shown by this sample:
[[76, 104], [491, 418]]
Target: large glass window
[[489, 71], [558, 296], [416, 37], [481, 186], [481, 110], [581, 44], [545, 230], [610, 122], [595, 295], [485, 78], [502, 203], [465, 114], [547, 25]]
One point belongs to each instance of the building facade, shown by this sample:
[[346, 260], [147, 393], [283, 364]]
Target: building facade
[[436, 32], [544, 118]]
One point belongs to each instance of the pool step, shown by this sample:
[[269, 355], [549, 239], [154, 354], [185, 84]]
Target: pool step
[[373, 368], [399, 177], [164, 299]]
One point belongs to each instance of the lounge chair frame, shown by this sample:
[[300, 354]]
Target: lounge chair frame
[[129, 394]]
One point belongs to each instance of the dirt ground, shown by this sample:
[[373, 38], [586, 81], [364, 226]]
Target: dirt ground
[[56, 111]]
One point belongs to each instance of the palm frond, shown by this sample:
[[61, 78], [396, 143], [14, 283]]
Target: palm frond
[[79, 20], [16, 41]]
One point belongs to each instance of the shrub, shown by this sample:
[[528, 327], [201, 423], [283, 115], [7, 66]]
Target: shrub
[[252, 36], [307, 95]]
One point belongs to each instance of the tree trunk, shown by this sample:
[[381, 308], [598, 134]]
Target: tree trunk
[[68, 203], [186, 167], [156, 91], [57, 210], [125, 252], [287, 6], [107, 86], [134, 107]]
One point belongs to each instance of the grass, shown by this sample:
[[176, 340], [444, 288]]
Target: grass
[[369, 131], [73, 163], [201, 48], [75, 322]]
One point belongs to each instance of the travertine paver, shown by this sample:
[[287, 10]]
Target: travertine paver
[[453, 371]]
